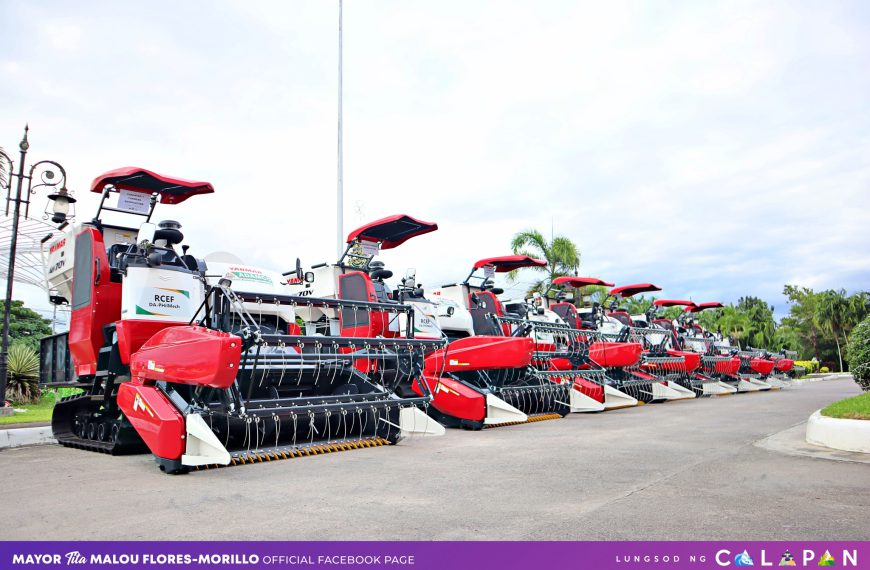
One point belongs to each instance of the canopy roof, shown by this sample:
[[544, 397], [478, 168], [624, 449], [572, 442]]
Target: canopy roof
[[627, 291], [135, 179], [704, 306], [392, 231], [673, 303], [507, 263], [578, 282]]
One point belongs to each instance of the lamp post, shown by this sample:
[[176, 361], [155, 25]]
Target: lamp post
[[51, 176]]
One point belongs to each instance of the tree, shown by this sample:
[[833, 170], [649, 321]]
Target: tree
[[637, 305], [26, 326], [832, 315], [804, 316], [858, 354], [23, 374], [561, 255]]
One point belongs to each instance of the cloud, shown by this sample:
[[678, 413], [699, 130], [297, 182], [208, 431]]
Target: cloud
[[717, 149]]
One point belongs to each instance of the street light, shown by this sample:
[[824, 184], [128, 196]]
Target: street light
[[51, 176]]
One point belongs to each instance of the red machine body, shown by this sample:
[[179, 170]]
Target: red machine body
[[188, 355], [156, 419]]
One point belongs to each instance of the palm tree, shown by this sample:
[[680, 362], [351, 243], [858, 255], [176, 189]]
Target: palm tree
[[637, 305], [560, 253], [833, 315]]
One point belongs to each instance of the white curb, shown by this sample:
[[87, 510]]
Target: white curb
[[26, 436], [847, 435]]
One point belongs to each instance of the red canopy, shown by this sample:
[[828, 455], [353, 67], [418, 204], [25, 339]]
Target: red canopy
[[578, 282], [673, 303], [507, 263], [627, 291], [135, 179], [704, 306], [392, 231]]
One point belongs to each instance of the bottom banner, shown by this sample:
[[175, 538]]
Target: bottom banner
[[431, 555]]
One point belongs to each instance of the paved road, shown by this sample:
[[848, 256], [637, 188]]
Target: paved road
[[684, 470]]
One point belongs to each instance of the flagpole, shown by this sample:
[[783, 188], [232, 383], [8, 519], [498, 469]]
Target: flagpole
[[340, 191]]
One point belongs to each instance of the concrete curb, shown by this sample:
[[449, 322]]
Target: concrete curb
[[26, 436], [846, 435]]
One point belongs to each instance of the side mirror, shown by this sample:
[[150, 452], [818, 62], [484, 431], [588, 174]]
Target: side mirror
[[299, 273], [146, 233], [308, 277]]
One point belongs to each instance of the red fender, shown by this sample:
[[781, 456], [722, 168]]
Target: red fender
[[454, 398], [761, 365], [481, 353], [189, 355], [591, 389], [692, 360], [154, 417], [784, 364], [615, 354]]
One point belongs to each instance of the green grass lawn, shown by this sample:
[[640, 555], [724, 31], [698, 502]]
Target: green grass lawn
[[855, 408], [40, 412]]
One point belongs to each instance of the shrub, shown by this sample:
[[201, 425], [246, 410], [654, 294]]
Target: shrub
[[825, 370], [810, 366], [858, 354], [22, 381]]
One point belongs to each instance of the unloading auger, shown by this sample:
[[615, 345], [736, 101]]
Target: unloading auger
[[202, 361]]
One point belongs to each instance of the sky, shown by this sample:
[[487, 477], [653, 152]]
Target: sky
[[717, 149]]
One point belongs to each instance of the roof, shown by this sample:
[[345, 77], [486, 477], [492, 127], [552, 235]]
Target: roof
[[171, 190], [627, 291], [578, 282], [392, 231], [673, 303], [507, 263], [704, 306]]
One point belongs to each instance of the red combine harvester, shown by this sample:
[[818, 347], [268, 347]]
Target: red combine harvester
[[562, 349], [201, 361], [477, 380], [471, 315], [688, 373], [719, 359], [634, 354]]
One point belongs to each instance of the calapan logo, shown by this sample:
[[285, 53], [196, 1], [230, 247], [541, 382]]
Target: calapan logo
[[827, 559], [804, 558]]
